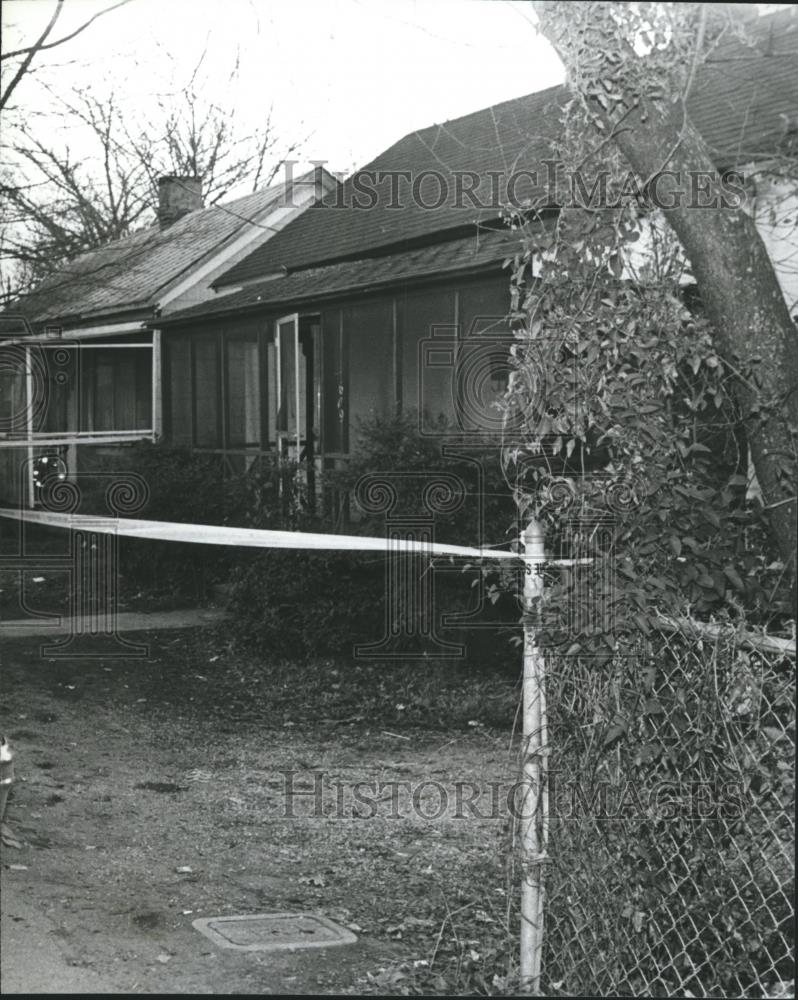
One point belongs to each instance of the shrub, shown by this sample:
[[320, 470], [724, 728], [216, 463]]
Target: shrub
[[290, 603], [188, 487]]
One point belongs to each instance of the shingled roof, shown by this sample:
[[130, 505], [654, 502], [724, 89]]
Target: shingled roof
[[369, 274], [131, 273], [739, 101]]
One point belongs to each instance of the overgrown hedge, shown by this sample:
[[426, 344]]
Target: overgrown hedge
[[293, 603]]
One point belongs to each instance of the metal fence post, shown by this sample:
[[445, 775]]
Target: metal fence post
[[534, 821]]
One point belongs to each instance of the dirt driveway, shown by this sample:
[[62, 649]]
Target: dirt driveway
[[140, 814]]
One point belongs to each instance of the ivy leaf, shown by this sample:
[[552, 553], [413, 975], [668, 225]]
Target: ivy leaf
[[648, 677], [615, 732], [733, 577]]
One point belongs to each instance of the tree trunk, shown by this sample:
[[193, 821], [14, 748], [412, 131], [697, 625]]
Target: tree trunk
[[735, 275]]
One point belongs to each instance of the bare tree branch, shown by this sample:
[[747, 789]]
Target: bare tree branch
[[37, 47], [31, 52], [54, 207]]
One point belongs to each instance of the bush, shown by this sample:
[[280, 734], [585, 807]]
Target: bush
[[174, 484], [294, 604]]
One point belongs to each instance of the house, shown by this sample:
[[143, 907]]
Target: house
[[81, 371], [390, 295]]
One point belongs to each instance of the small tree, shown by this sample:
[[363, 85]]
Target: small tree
[[57, 204]]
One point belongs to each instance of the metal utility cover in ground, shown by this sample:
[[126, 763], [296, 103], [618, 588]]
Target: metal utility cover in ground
[[274, 932]]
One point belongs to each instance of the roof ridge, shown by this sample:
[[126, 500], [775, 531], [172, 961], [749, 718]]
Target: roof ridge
[[481, 111], [788, 14]]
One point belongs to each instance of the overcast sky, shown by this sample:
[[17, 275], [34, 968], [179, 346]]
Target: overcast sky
[[353, 75]]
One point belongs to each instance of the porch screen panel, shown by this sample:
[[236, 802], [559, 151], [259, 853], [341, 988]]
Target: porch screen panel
[[243, 395], [483, 365], [287, 403], [177, 352], [334, 384], [206, 391], [368, 329], [115, 389], [98, 366], [123, 389], [314, 378], [428, 347], [142, 366], [60, 411], [13, 395]]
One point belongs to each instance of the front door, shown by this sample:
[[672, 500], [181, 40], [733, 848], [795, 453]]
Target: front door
[[297, 384], [291, 381]]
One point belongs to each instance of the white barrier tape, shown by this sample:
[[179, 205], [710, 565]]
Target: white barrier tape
[[211, 534]]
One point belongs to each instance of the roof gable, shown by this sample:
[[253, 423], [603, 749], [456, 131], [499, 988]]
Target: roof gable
[[131, 273]]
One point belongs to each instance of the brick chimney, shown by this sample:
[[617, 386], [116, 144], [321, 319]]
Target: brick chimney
[[177, 196]]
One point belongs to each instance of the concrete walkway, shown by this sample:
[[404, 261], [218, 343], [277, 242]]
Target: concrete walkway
[[126, 621], [35, 958]]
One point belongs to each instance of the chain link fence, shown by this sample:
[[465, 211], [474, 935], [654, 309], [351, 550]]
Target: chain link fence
[[671, 829]]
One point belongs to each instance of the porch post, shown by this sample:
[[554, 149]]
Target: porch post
[[157, 389], [29, 424]]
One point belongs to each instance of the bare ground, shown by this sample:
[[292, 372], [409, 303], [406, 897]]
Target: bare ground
[[146, 798]]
